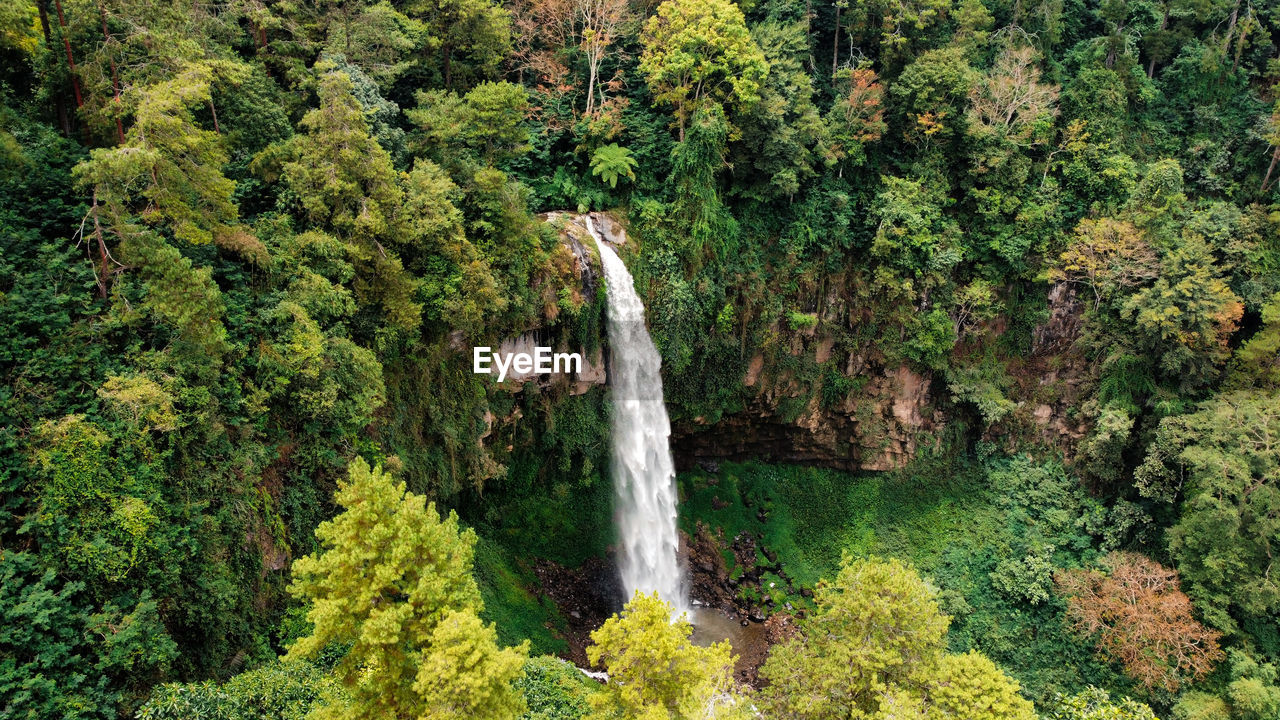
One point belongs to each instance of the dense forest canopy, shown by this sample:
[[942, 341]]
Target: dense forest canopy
[[246, 246]]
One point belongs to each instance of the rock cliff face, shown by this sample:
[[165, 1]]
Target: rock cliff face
[[1057, 373], [877, 427], [889, 414], [894, 410], [586, 268]]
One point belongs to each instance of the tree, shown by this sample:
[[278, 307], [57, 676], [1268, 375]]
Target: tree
[[874, 625], [1142, 619], [1257, 362], [1096, 704], [960, 687], [1223, 460], [1186, 317], [932, 94], [486, 124], [555, 690], [915, 241], [1271, 133], [340, 177], [457, 279], [856, 118], [1010, 102], [655, 673], [393, 584], [599, 22], [341, 180], [472, 37], [703, 218], [167, 171], [1111, 258], [612, 161], [496, 121], [374, 37], [900, 23], [699, 51], [775, 153], [874, 648]]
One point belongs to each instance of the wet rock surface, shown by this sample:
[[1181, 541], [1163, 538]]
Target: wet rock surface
[[879, 426], [750, 627], [586, 596]]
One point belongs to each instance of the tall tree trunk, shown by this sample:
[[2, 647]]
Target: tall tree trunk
[[59, 102], [115, 78], [447, 64], [1244, 32], [104, 258], [1164, 23], [835, 43], [1266, 179], [1231, 28], [591, 83], [71, 63], [259, 34]]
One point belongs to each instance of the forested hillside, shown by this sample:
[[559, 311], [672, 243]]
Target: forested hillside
[[996, 284]]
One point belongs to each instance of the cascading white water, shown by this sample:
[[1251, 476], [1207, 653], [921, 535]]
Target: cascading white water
[[642, 467]]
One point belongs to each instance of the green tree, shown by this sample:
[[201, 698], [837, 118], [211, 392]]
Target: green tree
[[898, 26], [875, 624], [700, 51], [611, 162], [1096, 704], [168, 170], [1257, 362], [457, 279], [471, 37], [915, 241], [1223, 461], [856, 118], [1186, 318], [655, 673], [340, 177], [932, 94], [963, 687], [698, 210], [779, 132], [276, 691], [486, 125], [874, 648], [341, 180], [555, 690], [393, 585]]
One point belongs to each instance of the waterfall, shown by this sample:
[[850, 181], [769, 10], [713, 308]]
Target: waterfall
[[642, 468]]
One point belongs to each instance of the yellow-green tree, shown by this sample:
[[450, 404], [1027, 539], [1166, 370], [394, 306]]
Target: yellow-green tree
[[874, 649], [655, 672], [699, 51], [341, 180], [393, 584]]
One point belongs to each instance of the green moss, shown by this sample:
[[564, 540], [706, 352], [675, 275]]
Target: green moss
[[509, 603], [954, 519]]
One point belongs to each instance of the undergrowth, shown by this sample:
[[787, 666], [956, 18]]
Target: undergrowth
[[955, 520]]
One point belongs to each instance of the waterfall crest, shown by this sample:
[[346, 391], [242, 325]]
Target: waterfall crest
[[642, 467]]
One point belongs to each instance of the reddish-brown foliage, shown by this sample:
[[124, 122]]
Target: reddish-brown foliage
[[1140, 618], [862, 105]]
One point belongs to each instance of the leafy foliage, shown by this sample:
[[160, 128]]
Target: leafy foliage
[[1142, 619], [654, 671], [394, 585], [874, 649]]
